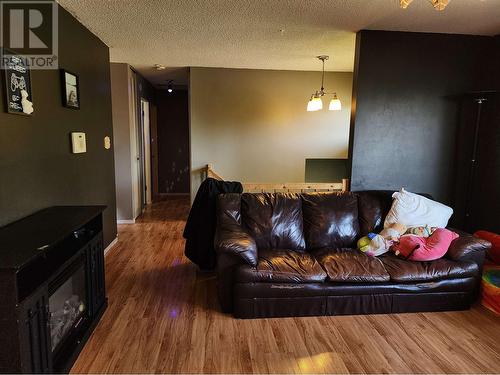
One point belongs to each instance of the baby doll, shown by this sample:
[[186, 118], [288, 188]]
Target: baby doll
[[378, 244]]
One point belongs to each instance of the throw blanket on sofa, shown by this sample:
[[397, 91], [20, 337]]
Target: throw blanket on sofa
[[201, 223]]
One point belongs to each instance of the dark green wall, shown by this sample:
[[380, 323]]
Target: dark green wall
[[37, 169], [406, 99]]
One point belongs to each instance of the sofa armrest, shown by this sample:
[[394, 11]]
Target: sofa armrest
[[467, 247], [232, 239]]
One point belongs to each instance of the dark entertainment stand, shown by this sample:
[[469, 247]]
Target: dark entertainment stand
[[52, 288]]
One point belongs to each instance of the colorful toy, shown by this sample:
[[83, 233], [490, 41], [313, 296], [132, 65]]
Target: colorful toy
[[422, 249], [364, 241], [380, 243], [490, 288], [424, 231]]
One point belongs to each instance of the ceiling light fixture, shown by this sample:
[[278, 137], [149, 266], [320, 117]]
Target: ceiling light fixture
[[315, 103], [170, 86], [437, 4], [159, 67]]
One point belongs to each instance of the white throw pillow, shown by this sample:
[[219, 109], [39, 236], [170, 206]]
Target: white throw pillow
[[414, 210]]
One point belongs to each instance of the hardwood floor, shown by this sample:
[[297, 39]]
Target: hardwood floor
[[163, 316]]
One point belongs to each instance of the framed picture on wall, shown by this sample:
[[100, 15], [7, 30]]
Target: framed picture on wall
[[17, 84], [70, 88]]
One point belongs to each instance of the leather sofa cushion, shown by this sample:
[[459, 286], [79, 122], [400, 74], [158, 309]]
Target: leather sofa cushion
[[351, 266], [373, 207], [402, 270], [274, 220], [330, 220], [282, 266]]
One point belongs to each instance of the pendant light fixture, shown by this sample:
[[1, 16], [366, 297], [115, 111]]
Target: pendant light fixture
[[315, 102], [439, 5]]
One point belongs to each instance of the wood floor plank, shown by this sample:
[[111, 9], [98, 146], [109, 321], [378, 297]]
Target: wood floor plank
[[163, 317]]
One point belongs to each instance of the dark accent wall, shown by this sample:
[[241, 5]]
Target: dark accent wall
[[173, 142], [37, 169], [406, 99]]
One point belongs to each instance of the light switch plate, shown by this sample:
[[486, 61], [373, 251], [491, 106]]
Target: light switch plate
[[78, 143]]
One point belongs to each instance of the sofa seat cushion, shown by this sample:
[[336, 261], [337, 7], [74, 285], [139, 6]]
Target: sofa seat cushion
[[350, 266], [402, 270], [282, 266]]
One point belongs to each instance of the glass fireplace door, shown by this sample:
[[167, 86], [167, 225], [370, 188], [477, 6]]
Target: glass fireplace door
[[67, 303]]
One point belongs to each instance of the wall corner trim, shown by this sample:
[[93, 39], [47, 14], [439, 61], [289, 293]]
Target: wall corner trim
[[126, 221], [110, 246]]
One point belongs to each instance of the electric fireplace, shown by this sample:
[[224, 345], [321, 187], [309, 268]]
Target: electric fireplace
[[68, 307], [52, 288]]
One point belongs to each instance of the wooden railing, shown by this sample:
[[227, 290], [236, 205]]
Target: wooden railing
[[293, 187]]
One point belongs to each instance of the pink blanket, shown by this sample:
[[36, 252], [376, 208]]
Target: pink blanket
[[421, 249]]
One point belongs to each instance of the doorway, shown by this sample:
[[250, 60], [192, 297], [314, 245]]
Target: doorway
[[173, 142]]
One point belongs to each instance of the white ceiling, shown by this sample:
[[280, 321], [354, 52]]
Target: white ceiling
[[262, 34]]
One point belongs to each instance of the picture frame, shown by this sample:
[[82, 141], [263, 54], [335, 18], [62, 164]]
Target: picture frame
[[17, 78], [70, 89]]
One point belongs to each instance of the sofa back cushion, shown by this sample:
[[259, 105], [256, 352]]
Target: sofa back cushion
[[373, 206], [330, 220], [274, 220]]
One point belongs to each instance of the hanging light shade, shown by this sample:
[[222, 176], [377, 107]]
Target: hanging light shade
[[335, 104], [439, 5], [315, 103]]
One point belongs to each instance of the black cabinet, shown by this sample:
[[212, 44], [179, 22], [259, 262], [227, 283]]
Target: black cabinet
[[95, 256], [52, 281], [34, 337]]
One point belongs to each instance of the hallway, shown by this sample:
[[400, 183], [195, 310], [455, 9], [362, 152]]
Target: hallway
[[163, 316]]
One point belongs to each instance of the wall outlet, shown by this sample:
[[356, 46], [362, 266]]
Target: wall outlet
[[78, 143], [107, 142]]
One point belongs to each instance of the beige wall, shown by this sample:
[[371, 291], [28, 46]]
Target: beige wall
[[253, 125]]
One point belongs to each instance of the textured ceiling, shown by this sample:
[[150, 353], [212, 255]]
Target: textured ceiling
[[262, 34]]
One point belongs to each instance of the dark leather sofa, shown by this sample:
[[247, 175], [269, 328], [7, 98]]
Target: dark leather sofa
[[289, 254]]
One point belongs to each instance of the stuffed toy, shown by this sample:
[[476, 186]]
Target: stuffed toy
[[378, 244], [425, 231], [418, 248]]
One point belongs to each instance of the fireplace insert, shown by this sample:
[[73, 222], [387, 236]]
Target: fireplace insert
[[68, 306]]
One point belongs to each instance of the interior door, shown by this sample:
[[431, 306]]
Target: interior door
[[135, 147]]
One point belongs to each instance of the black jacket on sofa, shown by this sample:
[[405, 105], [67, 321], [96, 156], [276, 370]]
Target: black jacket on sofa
[[287, 254], [199, 231]]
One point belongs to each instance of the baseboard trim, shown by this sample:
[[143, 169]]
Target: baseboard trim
[[127, 221], [113, 243]]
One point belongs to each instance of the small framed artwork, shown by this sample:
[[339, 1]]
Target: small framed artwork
[[17, 84], [70, 90]]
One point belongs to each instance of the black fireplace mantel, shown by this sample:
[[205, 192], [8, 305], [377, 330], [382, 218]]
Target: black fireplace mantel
[[37, 253]]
